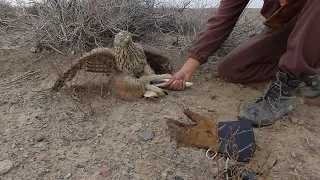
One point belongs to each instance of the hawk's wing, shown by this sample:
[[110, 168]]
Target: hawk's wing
[[158, 62], [285, 13], [100, 60]]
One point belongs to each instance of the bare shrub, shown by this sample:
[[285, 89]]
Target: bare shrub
[[92, 23], [6, 10], [81, 25]]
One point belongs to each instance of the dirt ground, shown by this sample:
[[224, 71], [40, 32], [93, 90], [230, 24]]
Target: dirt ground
[[49, 135]]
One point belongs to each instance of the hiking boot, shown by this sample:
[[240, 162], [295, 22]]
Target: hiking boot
[[312, 87], [277, 102]]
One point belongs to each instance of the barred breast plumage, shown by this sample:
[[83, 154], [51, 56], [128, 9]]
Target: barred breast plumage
[[130, 57]]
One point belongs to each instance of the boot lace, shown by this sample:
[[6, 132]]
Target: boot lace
[[273, 96]]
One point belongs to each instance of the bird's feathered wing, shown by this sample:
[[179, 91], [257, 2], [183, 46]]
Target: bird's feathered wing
[[158, 62], [98, 60], [102, 60]]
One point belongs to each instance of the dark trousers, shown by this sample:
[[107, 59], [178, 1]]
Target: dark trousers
[[294, 48]]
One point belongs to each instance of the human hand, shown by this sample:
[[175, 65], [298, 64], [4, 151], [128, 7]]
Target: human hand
[[178, 80]]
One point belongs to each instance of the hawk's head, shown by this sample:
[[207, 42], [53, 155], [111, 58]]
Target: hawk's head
[[122, 39]]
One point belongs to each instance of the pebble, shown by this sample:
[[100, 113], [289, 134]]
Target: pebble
[[127, 172], [68, 176], [34, 49], [105, 173], [293, 155], [135, 127], [80, 166], [26, 155], [5, 166], [146, 135], [178, 178], [294, 120], [44, 173], [40, 138], [164, 174]]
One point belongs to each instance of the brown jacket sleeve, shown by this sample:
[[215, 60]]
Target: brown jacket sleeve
[[218, 29]]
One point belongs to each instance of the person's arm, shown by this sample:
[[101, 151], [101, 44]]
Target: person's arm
[[217, 29], [209, 40]]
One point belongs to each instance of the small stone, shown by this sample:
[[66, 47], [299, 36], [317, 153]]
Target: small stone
[[5, 166], [40, 138], [178, 178], [127, 172], [68, 176], [80, 166], [135, 127], [213, 97], [294, 120], [164, 174], [44, 173], [34, 49], [293, 155], [145, 136], [26, 155], [105, 173], [301, 122], [170, 173]]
